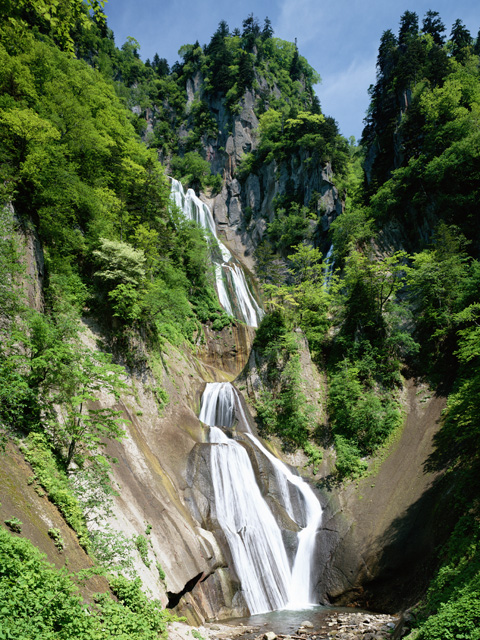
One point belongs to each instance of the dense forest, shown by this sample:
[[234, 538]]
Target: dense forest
[[87, 134]]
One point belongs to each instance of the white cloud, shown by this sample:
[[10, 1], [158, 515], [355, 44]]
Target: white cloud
[[302, 19], [344, 95]]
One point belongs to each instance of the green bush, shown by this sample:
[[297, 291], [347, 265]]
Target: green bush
[[52, 477], [14, 524], [141, 545], [39, 601], [348, 462]]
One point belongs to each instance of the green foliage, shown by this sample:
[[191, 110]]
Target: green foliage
[[438, 133], [38, 600], [439, 284], [10, 266], [161, 572], [348, 462], [14, 524], [290, 227], [56, 19], [350, 230], [196, 172], [70, 376], [284, 411], [452, 603], [280, 136], [314, 455], [141, 546], [55, 535], [426, 102], [52, 477], [113, 550], [361, 417]]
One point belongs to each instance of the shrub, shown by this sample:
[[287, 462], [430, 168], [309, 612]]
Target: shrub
[[14, 524], [141, 545]]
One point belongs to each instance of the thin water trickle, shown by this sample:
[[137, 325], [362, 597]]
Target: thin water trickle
[[233, 291], [330, 263], [254, 537]]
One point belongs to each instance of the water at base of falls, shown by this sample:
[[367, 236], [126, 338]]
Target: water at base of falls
[[233, 291], [254, 537]]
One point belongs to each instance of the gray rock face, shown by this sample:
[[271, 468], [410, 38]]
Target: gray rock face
[[378, 535], [244, 208]]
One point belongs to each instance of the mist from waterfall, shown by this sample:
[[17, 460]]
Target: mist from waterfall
[[234, 294], [254, 537]]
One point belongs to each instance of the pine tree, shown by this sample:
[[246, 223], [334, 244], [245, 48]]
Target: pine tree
[[267, 29], [433, 25], [408, 27], [461, 40]]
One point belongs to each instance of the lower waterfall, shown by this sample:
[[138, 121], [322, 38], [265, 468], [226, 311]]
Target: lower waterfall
[[254, 537]]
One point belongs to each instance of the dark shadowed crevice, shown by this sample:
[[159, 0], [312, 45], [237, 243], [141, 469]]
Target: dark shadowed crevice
[[174, 598]]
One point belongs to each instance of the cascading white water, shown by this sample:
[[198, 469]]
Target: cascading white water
[[259, 555], [329, 262], [233, 291], [218, 405], [300, 592], [254, 538]]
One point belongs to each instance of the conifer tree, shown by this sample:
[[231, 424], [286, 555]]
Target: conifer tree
[[433, 25]]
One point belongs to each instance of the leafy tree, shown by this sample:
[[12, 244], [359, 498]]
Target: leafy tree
[[290, 227], [194, 171], [350, 231], [476, 48], [267, 31], [70, 377], [120, 262], [39, 600], [295, 71], [386, 53], [56, 18], [251, 31], [160, 65], [436, 282]]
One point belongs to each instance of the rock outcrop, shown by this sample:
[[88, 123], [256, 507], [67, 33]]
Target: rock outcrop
[[379, 534]]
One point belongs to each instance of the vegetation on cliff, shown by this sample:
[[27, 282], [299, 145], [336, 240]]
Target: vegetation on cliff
[[74, 171], [38, 600]]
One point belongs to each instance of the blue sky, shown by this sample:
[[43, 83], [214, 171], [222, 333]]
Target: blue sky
[[339, 38]]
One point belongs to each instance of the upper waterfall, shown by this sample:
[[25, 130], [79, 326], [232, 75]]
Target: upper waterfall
[[234, 293], [253, 535]]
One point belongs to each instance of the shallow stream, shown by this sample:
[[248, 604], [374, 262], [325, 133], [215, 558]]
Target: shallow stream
[[287, 621]]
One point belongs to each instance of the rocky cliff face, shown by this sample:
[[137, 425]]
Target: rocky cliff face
[[244, 207], [379, 536]]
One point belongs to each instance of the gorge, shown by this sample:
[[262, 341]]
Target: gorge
[[238, 353]]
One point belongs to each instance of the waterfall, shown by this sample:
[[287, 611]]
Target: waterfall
[[301, 591], [254, 537], [233, 291], [329, 262]]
